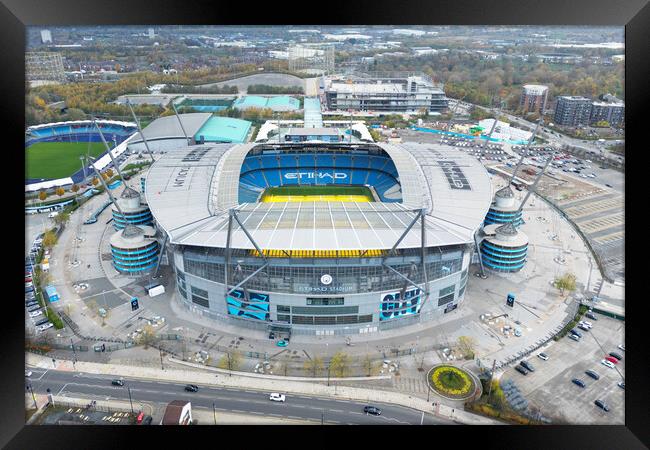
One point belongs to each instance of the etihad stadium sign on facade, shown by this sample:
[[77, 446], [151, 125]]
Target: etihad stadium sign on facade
[[315, 175]]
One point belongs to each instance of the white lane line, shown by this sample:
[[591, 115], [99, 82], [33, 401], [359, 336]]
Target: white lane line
[[354, 412], [294, 417], [276, 415], [336, 410]]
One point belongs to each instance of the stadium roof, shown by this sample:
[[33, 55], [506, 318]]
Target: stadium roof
[[223, 129], [191, 189], [168, 127]]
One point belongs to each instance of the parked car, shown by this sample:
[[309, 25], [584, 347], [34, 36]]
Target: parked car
[[601, 404], [372, 410], [592, 374], [45, 326], [611, 359], [276, 397], [621, 384], [543, 356], [586, 324], [591, 315], [147, 420], [41, 322], [521, 370], [31, 304], [191, 388], [579, 382], [615, 355], [583, 327], [528, 366], [574, 337], [117, 382], [606, 363], [622, 347], [576, 333], [28, 373], [33, 308], [35, 313], [271, 335]]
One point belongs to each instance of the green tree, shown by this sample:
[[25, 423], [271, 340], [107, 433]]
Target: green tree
[[230, 361], [147, 337], [314, 366], [49, 239], [368, 365], [340, 364], [566, 282], [75, 114], [467, 345], [62, 218]]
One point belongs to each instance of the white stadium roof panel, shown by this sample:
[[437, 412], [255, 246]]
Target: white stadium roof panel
[[191, 189]]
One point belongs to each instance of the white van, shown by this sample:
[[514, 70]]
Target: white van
[[53, 214]]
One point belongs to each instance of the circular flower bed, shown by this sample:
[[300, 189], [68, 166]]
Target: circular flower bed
[[451, 381]]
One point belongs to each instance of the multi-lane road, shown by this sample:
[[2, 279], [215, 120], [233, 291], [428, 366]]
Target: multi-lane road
[[241, 401]]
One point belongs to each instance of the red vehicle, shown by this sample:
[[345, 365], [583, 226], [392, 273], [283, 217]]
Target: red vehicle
[[612, 359], [28, 279], [140, 417]]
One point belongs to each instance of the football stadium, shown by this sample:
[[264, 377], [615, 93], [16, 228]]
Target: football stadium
[[319, 238], [53, 150]]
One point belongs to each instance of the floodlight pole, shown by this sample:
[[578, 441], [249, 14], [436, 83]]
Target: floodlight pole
[[227, 265], [534, 186], [451, 110], [489, 136], [523, 153], [108, 191], [110, 154], [137, 122], [181, 123]]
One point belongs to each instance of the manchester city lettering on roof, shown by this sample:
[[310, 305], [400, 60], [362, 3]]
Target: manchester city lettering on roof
[[454, 175]]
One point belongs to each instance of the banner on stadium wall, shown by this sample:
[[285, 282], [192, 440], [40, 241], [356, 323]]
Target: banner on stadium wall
[[257, 306], [392, 306]]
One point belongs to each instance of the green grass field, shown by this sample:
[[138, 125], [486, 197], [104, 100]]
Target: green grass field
[[58, 159], [317, 193]]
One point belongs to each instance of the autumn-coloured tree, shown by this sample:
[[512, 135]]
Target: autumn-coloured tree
[[60, 191]]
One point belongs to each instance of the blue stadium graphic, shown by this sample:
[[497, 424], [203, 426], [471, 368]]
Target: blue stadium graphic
[[293, 167], [392, 306], [256, 308]]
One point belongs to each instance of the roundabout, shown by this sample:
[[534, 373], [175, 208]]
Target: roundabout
[[451, 382]]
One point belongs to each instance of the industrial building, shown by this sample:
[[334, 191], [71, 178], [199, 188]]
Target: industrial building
[[390, 94]]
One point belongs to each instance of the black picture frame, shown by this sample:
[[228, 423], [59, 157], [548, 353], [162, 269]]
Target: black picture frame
[[15, 15]]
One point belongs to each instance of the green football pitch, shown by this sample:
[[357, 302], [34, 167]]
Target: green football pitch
[[51, 160]]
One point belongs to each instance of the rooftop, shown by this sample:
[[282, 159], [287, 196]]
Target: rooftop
[[191, 189]]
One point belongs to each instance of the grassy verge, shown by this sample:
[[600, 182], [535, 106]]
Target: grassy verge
[[581, 311]]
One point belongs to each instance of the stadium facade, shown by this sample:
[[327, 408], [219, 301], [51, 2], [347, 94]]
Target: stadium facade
[[319, 267]]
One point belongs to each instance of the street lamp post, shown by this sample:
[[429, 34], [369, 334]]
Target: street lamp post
[[161, 358], [74, 352], [214, 412], [130, 400], [328, 374], [29, 388]]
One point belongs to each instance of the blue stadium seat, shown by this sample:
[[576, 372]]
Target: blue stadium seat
[[344, 161], [359, 176], [306, 161]]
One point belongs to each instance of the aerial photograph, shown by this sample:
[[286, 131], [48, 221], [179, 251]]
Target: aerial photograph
[[324, 225]]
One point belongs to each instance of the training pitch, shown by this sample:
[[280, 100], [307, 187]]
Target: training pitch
[[317, 194], [52, 160]]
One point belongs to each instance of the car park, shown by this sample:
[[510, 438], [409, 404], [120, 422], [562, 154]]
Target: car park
[[601, 404], [543, 356], [592, 374], [276, 397], [579, 382], [521, 370], [615, 355], [191, 388], [117, 382], [606, 363], [372, 410]]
